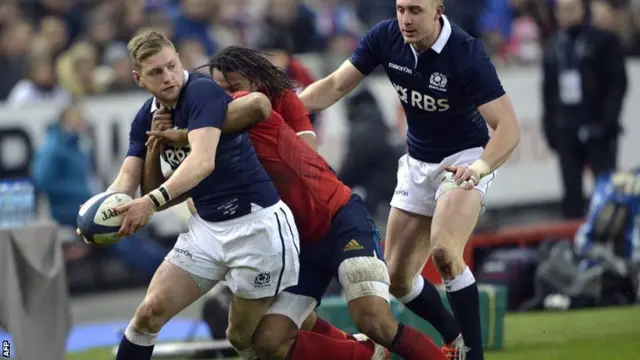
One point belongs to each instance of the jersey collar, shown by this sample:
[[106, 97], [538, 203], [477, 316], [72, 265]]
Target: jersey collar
[[441, 41], [154, 103]]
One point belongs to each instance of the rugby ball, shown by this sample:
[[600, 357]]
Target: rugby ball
[[98, 222]]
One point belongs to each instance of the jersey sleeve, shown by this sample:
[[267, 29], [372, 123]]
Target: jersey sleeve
[[294, 112], [366, 57], [138, 133], [206, 104], [481, 83]]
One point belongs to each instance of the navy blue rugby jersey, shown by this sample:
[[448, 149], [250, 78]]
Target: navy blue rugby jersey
[[440, 89], [238, 180]]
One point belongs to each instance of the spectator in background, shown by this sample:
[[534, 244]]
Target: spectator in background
[[68, 10], [9, 12], [372, 155], [75, 69], [62, 166], [371, 12], [584, 83], [63, 170], [495, 24], [278, 45], [15, 41], [297, 19], [54, 31], [467, 13], [119, 66], [193, 55], [542, 12], [194, 23], [39, 84], [131, 19], [100, 32]]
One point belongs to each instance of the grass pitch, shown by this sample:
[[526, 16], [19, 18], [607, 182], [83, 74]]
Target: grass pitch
[[602, 334]]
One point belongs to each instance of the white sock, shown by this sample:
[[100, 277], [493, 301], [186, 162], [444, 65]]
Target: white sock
[[461, 281], [139, 338], [416, 289]]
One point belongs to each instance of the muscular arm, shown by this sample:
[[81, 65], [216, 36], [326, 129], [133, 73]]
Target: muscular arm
[[326, 92], [199, 163], [242, 114], [501, 117], [246, 111], [129, 177]]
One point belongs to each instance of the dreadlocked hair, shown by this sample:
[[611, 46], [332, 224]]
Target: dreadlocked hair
[[253, 65]]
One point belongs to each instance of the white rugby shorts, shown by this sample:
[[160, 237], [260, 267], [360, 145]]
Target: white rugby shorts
[[256, 254], [420, 183]]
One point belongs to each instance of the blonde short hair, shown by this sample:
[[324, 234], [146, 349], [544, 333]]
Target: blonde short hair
[[147, 44]]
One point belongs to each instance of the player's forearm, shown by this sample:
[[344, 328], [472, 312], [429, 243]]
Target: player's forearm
[[128, 178], [245, 112], [502, 144], [194, 169], [322, 94], [152, 176]]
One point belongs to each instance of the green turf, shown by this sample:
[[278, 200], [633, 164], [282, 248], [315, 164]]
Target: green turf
[[603, 334]]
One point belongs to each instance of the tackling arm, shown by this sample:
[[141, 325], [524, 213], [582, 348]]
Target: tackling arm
[[152, 176], [246, 111]]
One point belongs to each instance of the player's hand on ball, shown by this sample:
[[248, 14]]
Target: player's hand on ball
[[175, 137], [465, 177], [137, 214]]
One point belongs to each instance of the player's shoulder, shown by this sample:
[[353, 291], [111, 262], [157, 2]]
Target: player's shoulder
[[466, 49], [386, 29], [146, 110], [199, 85]]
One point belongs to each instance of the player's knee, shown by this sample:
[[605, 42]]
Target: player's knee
[[447, 261], [151, 315], [272, 341], [401, 281], [364, 276], [239, 338]]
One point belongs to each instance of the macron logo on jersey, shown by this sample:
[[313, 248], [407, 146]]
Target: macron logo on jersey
[[421, 101], [403, 69]]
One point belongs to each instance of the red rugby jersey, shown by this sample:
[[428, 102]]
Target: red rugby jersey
[[301, 176]]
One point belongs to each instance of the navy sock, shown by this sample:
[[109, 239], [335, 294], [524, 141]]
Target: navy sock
[[428, 305], [465, 302], [130, 351]]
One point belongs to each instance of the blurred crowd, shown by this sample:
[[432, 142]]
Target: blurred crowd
[[72, 48]]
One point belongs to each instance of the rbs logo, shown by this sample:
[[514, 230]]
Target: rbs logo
[[174, 157], [421, 101]]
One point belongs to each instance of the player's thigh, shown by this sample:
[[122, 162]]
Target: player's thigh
[[262, 254], [457, 212], [407, 245], [187, 272]]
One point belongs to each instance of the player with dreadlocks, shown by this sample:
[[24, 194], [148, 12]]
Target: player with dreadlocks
[[337, 235]]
